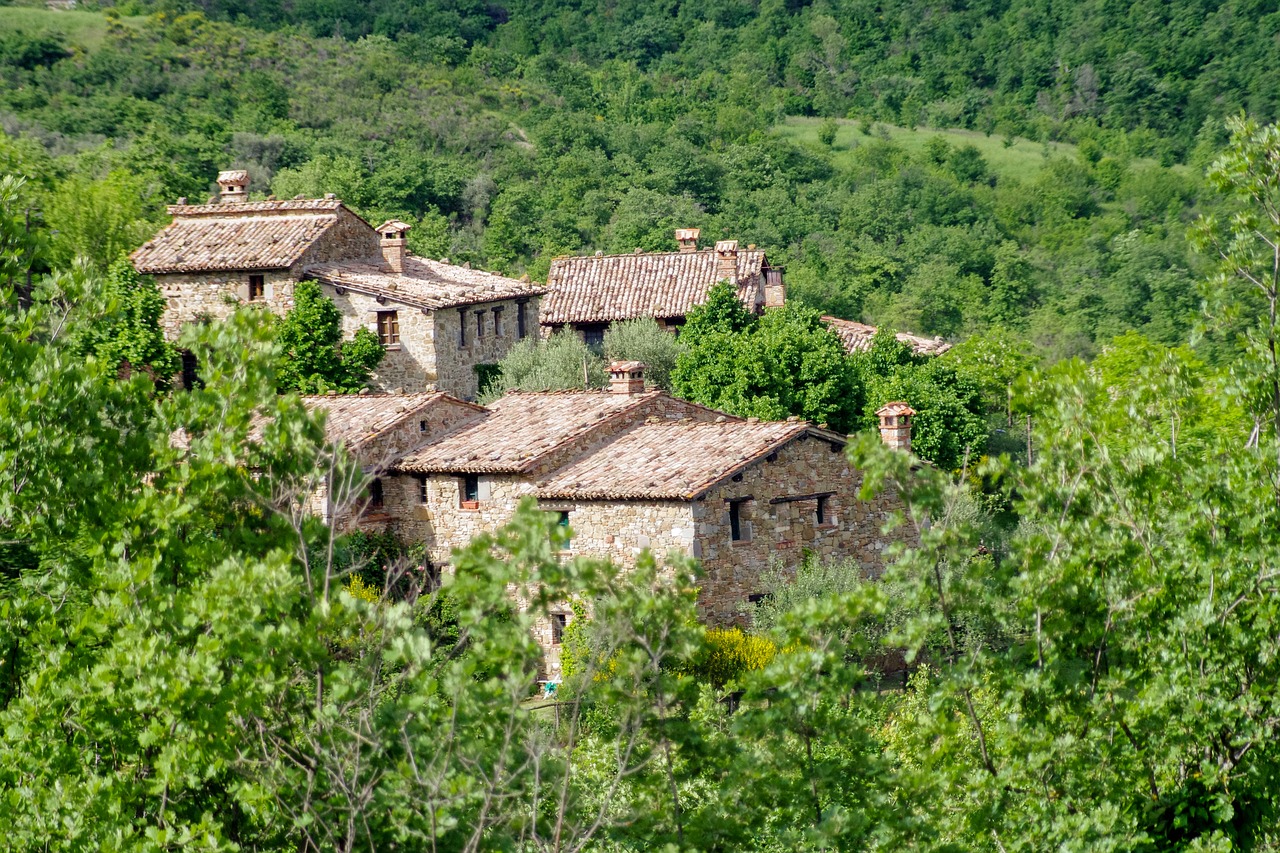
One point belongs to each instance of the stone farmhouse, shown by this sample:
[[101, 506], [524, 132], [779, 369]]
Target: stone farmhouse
[[440, 323], [626, 468], [587, 293]]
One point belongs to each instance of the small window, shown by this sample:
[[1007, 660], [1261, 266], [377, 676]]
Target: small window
[[422, 426], [390, 235], [479, 325], [257, 288], [593, 337], [521, 331], [375, 494], [422, 490], [462, 327], [388, 328], [735, 521], [190, 378], [470, 491], [559, 621], [564, 526], [497, 321], [822, 513]]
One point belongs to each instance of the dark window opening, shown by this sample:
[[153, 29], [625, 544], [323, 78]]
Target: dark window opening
[[390, 235], [375, 494], [521, 331], [422, 426], [462, 327], [593, 337], [257, 288], [735, 521], [190, 376], [497, 321], [758, 597], [563, 524], [823, 517], [559, 621], [471, 490], [479, 325], [388, 328], [422, 490]]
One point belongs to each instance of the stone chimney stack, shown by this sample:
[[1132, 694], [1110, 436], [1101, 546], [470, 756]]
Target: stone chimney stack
[[234, 184], [727, 261], [626, 377], [392, 243], [895, 425], [775, 289], [687, 239]]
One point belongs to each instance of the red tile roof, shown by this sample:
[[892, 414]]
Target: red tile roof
[[657, 284], [520, 429], [262, 235], [423, 283], [665, 460], [856, 337]]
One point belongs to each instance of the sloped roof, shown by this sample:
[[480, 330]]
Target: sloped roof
[[353, 419], [665, 460], [424, 283], [657, 284], [519, 429], [856, 337], [260, 235]]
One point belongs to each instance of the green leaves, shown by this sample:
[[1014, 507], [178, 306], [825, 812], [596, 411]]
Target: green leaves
[[315, 358]]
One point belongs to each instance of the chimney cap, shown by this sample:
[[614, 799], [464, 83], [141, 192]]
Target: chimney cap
[[233, 178], [394, 226], [688, 233], [727, 247], [626, 367], [897, 408]]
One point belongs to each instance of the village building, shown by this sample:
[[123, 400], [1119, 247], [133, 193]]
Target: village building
[[586, 294], [625, 469], [442, 325]]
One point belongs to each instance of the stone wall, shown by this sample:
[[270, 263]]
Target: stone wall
[[350, 239], [780, 530], [408, 366], [190, 297], [442, 524], [455, 365]]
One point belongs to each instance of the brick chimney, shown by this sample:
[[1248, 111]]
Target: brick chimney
[[727, 261], [391, 240], [626, 377], [687, 239], [895, 425], [234, 184]]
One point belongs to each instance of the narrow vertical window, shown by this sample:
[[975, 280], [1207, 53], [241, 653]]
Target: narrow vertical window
[[388, 328], [257, 288], [462, 327], [470, 491], [479, 324], [190, 378], [497, 321], [559, 621], [521, 331], [375, 494], [564, 526], [822, 510], [422, 489], [735, 521], [422, 426]]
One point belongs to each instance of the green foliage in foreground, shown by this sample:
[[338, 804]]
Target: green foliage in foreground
[[315, 358]]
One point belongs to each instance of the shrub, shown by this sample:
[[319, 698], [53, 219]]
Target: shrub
[[727, 653]]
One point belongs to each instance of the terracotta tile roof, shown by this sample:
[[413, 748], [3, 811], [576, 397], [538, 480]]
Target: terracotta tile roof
[[424, 283], [520, 429], [353, 419], [669, 460], [657, 284], [261, 235], [857, 337]]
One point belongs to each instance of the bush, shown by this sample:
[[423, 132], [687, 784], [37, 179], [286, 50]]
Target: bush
[[557, 363], [727, 653], [644, 340]]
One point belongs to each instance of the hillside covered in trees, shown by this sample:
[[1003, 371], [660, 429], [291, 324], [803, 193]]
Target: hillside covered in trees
[[1022, 165]]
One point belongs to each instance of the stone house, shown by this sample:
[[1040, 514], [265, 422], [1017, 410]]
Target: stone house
[[626, 468], [441, 324], [588, 293]]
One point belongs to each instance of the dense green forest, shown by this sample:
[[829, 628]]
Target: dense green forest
[[1051, 199]]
